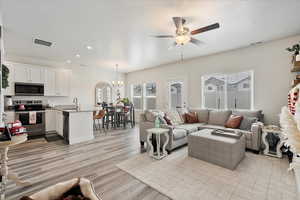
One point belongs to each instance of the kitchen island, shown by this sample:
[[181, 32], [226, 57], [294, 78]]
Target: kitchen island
[[77, 124]]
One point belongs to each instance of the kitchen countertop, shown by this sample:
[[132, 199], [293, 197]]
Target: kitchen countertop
[[72, 108]]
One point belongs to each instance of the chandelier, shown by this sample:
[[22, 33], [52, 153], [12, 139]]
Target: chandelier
[[117, 83]]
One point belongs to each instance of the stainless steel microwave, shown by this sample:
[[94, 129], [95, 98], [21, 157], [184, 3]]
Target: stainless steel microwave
[[29, 89]]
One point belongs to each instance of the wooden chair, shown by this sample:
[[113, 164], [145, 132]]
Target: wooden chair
[[110, 117], [127, 116], [98, 118]]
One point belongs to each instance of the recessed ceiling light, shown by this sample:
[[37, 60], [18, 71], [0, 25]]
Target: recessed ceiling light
[[89, 47], [69, 61], [77, 55]]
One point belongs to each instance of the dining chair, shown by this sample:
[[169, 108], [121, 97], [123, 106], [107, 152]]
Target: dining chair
[[110, 117], [126, 116], [98, 118]]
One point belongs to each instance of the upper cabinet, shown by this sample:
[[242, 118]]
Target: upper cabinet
[[56, 81], [62, 82], [50, 82], [28, 74]]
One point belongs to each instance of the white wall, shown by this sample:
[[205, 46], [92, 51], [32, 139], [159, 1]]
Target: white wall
[[82, 85], [272, 77], [2, 58]]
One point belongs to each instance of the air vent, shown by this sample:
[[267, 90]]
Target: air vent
[[42, 42], [256, 43]]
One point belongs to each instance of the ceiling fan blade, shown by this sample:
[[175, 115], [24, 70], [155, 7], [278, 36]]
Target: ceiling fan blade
[[163, 36], [178, 21], [174, 44], [196, 42], [206, 28]]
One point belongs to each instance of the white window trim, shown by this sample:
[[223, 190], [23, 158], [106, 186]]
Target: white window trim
[[226, 85], [143, 97], [150, 97], [139, 97], [169, 92]]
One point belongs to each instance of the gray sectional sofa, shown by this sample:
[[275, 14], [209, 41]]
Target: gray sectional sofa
[[208, 119]]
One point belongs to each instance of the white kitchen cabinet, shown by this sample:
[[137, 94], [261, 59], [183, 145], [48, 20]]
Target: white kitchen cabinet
[[21, 73], [28, 74], [62, 83], [10, 90], [36, 74], [9, 116], [50, 120], [59, 122], [56, 81], [50, 82]]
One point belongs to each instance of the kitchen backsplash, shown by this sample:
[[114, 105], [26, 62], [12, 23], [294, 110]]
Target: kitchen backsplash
[[46, 100]]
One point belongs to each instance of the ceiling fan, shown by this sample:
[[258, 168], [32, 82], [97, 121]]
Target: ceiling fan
[[183, 35]]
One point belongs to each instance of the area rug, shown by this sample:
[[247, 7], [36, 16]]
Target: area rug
[[181, 177]]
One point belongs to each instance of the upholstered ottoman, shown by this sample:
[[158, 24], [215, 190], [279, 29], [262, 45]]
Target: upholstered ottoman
[[223, 151]]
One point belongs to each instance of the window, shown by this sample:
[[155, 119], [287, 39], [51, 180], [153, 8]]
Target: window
[[176, 94], [150, 96], [213, 91], [137, 96], [231, 91], [99, 98], [144, 96]]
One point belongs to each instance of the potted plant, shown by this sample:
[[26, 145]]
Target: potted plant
[[295, 49], [125, 101], [5, 73]]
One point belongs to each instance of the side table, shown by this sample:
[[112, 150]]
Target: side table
[[157, 132], [272, 134], [4, 146]]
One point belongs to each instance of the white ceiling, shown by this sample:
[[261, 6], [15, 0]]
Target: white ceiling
[[120, 30]]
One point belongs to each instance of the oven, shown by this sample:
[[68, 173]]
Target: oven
[[29, 89], [34, 130], [22, 112]]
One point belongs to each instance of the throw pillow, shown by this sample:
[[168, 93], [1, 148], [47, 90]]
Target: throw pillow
[[191, 117], [162, 119], [247, 123], [234, 121], [168, 120]]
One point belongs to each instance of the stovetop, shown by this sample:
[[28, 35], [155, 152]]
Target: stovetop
[[32, 105]]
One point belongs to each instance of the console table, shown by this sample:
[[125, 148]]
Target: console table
[[157, 132], [4, 146]]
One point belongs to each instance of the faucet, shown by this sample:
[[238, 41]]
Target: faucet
[[75, 100]]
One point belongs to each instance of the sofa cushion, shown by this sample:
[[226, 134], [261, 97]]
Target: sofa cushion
[[150, 115], [234, 121], [179, 133], [218, 117], [249, 113], [188, 127], [174, 116], [247, 123], [202, 114], [181, 112], [191, 117]]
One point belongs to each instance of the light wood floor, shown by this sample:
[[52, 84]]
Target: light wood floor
[[44, 164]]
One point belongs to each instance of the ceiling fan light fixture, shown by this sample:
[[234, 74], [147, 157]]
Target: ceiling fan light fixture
[[182, 39]]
